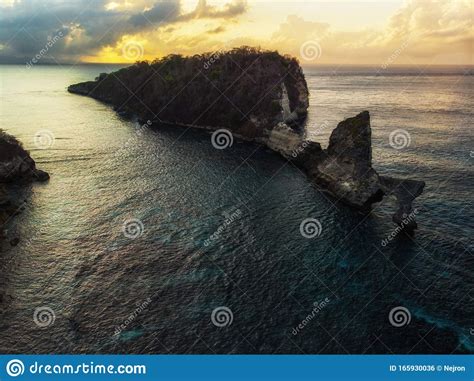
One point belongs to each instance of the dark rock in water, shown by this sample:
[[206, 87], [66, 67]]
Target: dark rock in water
[[16, 164], [40, 175], [16, 167], [266, 105], [351, 142], [347, 169], [307, 154], [4, 200], [15, 241], [405, 192]]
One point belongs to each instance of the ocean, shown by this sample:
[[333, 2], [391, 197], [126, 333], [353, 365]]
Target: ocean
[[150, 240]]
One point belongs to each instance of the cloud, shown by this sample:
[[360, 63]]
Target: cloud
[[26, 26], [170, 11], [161, 12], [232, 9], [439, 32], [436, 32], [217, 30], [295, 28]]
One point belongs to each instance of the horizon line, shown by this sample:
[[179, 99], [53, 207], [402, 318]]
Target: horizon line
[[302, 64]]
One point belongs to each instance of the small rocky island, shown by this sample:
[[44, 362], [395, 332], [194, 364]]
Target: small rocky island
[[258, 96], [16, 167]]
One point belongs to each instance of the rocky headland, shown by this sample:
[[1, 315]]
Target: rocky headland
[[259, 96], [16, 167]]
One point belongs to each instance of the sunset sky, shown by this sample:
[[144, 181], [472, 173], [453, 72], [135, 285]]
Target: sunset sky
[[348, 32]]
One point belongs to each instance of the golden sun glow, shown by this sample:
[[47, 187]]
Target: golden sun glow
[[345, 32]]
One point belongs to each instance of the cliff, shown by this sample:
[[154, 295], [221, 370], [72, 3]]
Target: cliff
[[16, 167], [345, 170], [245, 90], [259, 96]]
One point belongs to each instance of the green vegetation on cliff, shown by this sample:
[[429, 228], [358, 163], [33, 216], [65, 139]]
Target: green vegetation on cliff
[[240, 89]]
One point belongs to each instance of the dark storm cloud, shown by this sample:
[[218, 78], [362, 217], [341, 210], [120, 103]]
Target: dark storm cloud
[[27, 26], [85, 26], [161, 12]]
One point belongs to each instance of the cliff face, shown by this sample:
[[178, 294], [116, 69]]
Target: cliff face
[[345, 170], [16, 167], [240, 90], [258, 96]]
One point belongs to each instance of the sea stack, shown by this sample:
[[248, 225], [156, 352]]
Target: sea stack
[[259, 96]]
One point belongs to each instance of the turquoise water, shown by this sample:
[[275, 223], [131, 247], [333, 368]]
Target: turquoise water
[[161, 287]]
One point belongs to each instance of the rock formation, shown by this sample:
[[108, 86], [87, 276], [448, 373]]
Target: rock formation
[[345, 170], [258, 96], [16, 167], [245, 90]]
